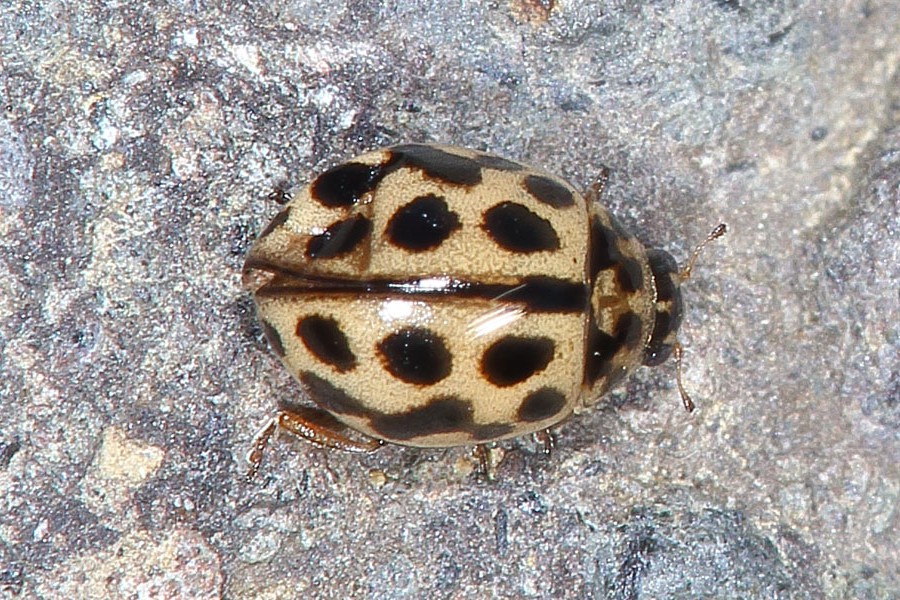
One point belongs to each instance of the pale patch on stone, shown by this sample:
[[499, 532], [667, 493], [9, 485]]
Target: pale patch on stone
[[119, 468], [248, 57], [176, 564], [125, 460]]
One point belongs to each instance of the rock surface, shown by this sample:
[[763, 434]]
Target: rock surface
[[139, 143]]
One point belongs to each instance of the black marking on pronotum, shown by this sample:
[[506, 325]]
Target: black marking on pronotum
[[422, 224], [276, 222], [659, 349], [513, 359], [515, 228], [549, 191], [331, 398], [340, 238], [664, 269], [629, 330], [273, 336], [535, 294], [602, 347], [669, 309], [416, 355], [345, 185], [323, 337], [435, 164], [544, 403], [629, 275], [444, 414]]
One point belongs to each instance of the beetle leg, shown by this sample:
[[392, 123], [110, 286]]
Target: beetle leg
[[483, 455], [547, 440], [596, 190], [314, 426], [678, 353]]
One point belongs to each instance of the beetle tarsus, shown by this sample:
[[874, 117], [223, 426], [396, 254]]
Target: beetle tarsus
[[258, 447], [482, 454], [315, 426], [677, 353], [599, 184], [547, 440]]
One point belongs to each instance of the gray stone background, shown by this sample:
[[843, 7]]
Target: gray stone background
[[138, 144]]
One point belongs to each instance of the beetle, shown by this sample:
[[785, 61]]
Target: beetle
[[435, 296]]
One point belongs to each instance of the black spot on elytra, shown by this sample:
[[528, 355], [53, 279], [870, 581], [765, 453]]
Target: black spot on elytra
[[422, 224], [513, 359], [490, 431], [276, 222], [517, 229], [604, 252], [415, 355], [331, 398], [340, 238], [344, 185], [274, 337], [444, 414], [602, 347], [497, 163], [436, 164], [548, 191], [323, 337], [542, 404]]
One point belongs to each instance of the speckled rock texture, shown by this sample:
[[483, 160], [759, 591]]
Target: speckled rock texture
[[139, 145]]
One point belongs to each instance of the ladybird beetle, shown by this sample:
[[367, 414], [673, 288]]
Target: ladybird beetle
[[435, 296]]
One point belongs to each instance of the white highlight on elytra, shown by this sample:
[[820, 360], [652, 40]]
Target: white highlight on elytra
[[395, 310], [404, 311], [494, 319]]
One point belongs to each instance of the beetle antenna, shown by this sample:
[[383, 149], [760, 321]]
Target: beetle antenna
[[677, 349], [715, 234], [677, 354]]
